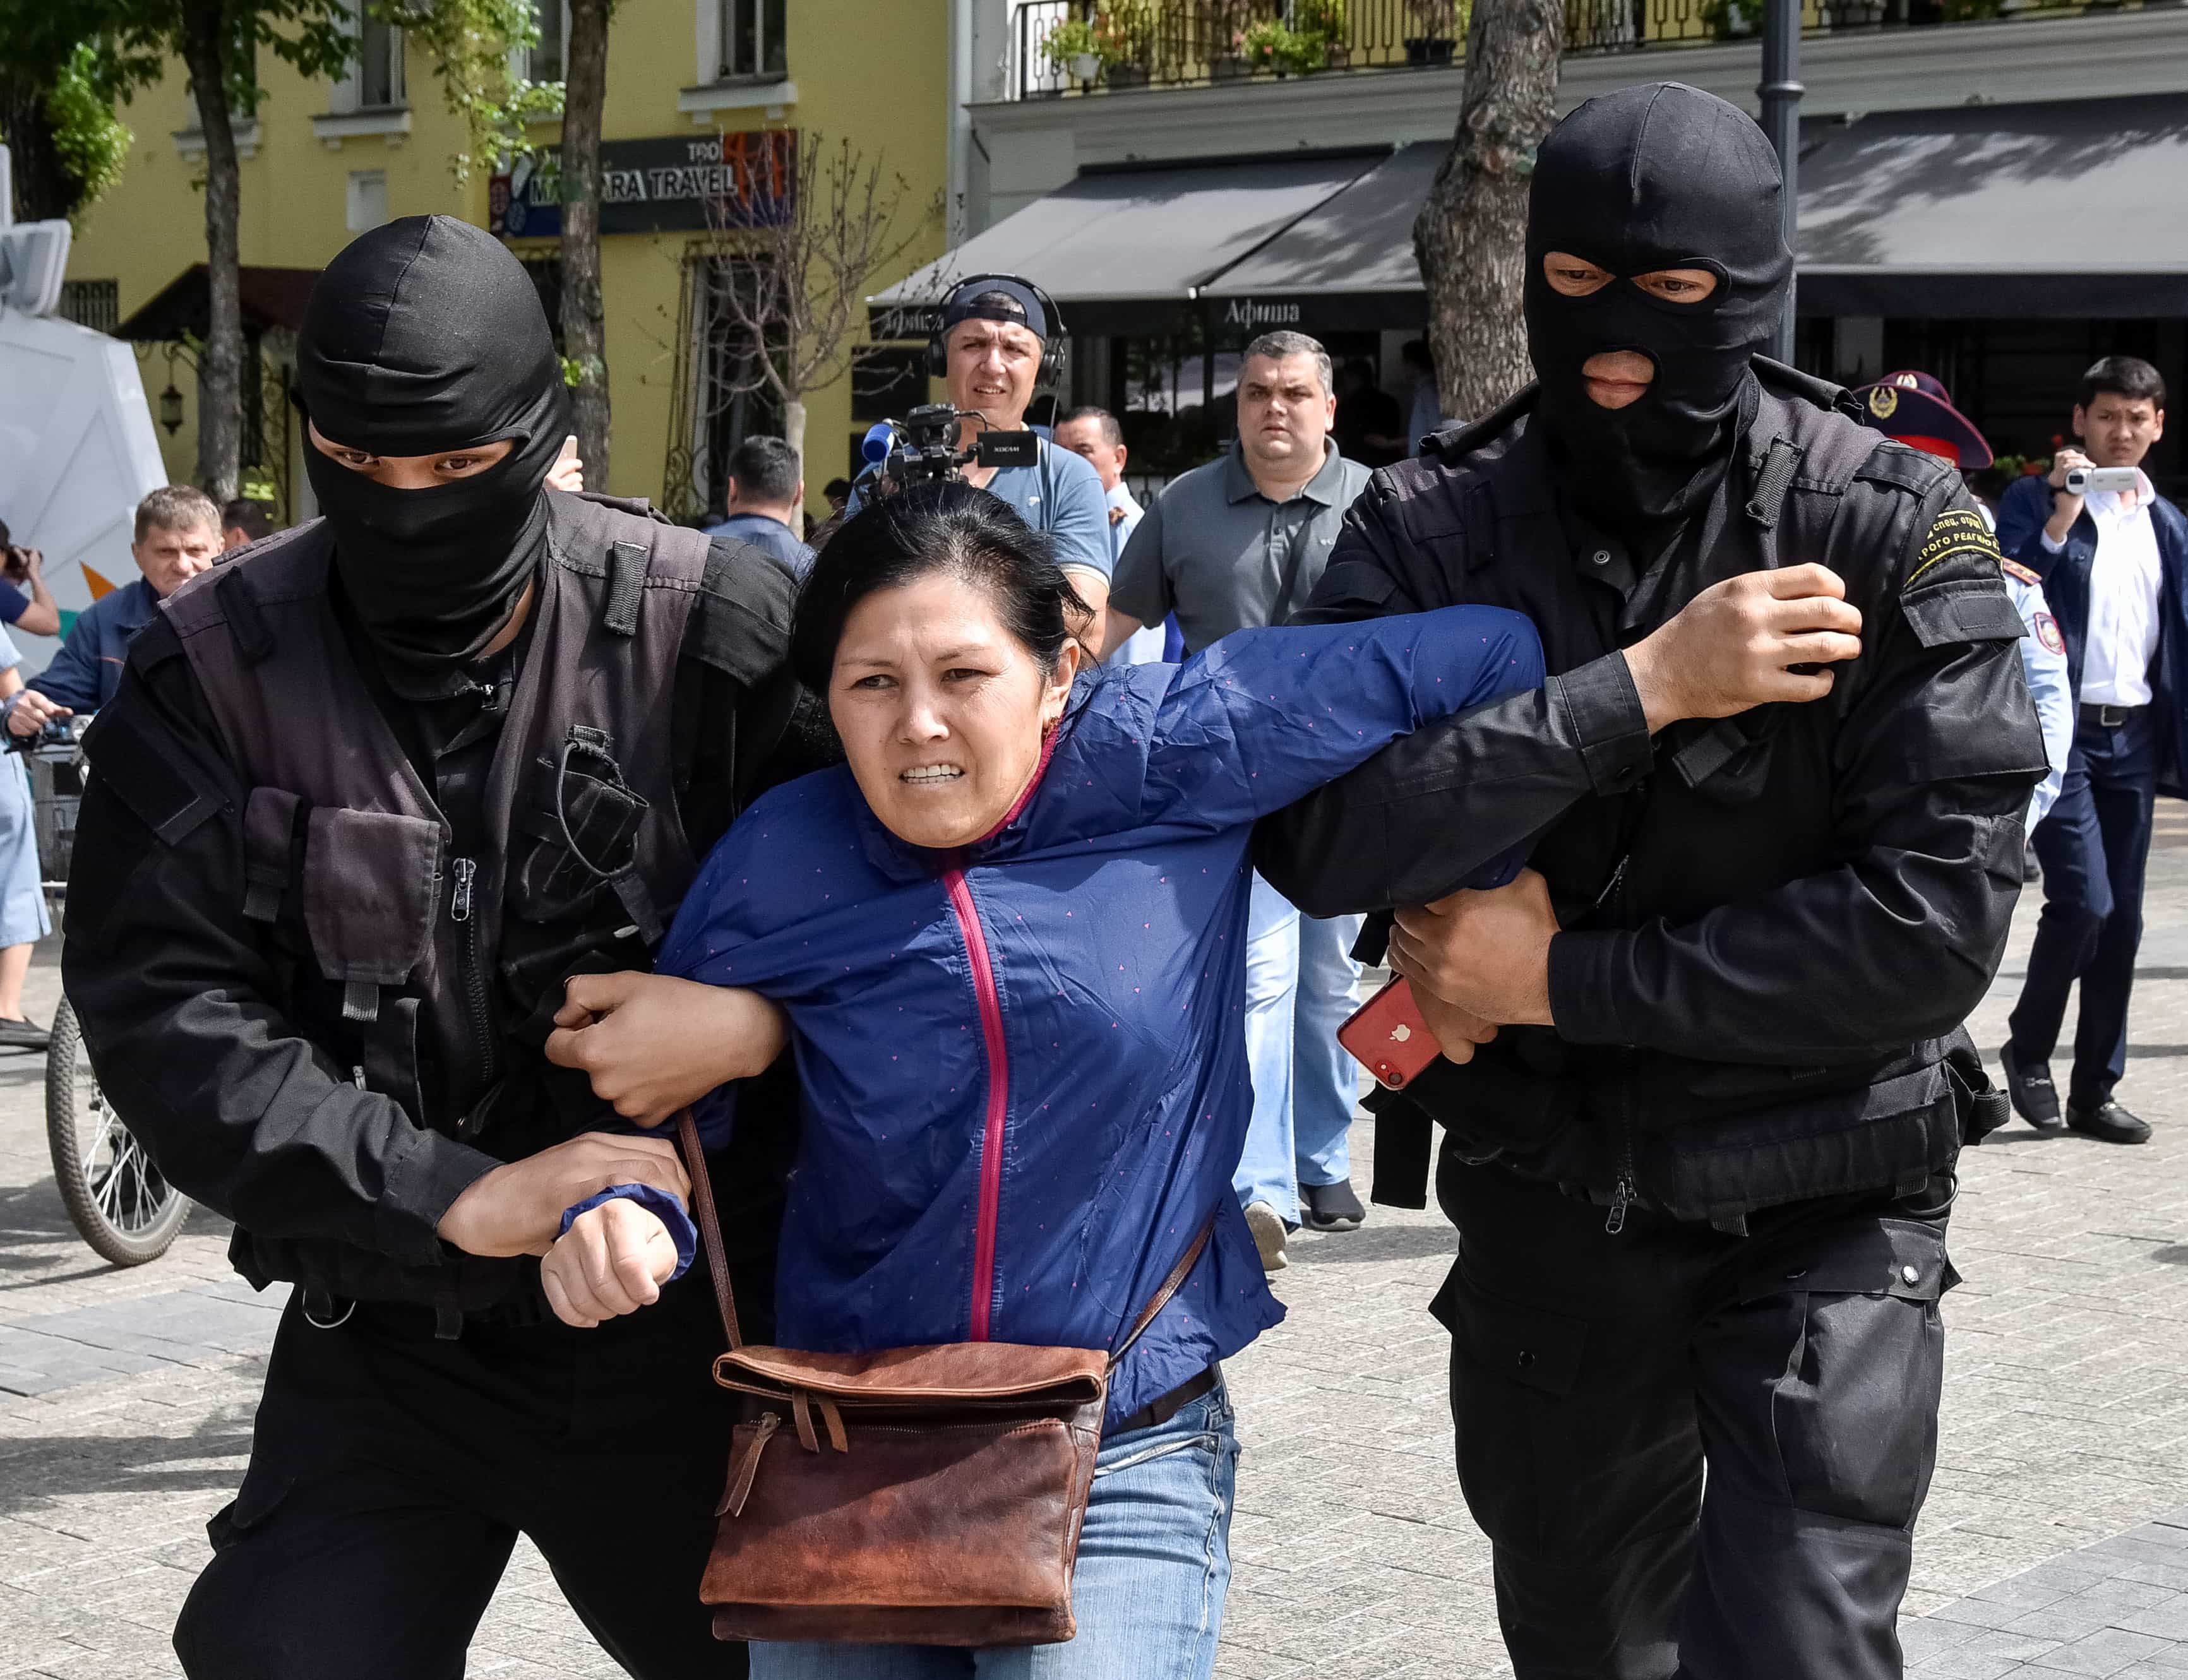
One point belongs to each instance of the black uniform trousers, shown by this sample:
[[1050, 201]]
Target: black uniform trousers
[[2093, 846], [391, 1473], [1594, 1375]]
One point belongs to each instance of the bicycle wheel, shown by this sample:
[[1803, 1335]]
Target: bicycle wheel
[[116, 1197]]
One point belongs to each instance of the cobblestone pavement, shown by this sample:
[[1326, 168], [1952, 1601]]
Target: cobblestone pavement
[[2054, 1542]]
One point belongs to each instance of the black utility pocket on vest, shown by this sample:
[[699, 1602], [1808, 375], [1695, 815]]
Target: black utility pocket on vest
[[371, 881]]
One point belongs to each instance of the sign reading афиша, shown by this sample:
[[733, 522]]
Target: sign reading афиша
[[649, 186]]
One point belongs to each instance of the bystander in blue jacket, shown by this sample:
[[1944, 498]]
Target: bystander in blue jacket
[[84, 674]]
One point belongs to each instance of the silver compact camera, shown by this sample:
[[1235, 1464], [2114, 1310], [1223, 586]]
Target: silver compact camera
[[2081, 480]]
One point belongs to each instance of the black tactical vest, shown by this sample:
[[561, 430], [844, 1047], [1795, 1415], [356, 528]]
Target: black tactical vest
[[1736, 805], [581, 829]]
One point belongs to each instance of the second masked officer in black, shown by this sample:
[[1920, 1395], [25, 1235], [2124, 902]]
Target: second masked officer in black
[[1701, 1177], [362, 803]]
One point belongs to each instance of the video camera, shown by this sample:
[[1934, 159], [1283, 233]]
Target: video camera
[[60, 739], [922, 448]]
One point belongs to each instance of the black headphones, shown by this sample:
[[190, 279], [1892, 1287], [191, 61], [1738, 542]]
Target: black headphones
[[1055, 347]]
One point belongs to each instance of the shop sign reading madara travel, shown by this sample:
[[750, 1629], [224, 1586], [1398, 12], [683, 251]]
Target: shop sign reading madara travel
[[648, 186]]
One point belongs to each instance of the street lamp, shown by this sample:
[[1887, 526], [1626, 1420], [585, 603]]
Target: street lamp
[[171, 408], [1780, 94]]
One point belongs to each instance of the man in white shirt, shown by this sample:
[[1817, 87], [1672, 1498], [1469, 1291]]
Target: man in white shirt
[[1094, 434], [2114, 564]]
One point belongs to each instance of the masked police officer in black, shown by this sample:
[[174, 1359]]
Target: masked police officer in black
[[361, 804], [1701, 1174]]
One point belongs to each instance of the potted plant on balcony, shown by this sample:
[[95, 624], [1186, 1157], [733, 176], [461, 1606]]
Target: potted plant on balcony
[[1270, 44], [1072, 49], [1328, 21], [1124, 34], [1224, 27], [1437, 22]]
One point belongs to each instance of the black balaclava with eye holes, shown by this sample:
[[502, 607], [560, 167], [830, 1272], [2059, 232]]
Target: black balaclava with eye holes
[[421, 336], [1647, 179]]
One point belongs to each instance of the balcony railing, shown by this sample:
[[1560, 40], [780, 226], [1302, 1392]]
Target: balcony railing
[[1075, 47]]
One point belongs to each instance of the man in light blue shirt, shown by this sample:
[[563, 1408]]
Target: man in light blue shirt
[[993, 344], [766, 502]]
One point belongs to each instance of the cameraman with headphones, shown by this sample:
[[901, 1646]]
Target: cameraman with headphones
[[999, 341]]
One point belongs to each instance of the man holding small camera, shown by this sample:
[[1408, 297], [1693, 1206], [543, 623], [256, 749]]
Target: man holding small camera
[[2113, 555]]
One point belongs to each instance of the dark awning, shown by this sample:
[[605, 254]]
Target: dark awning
[[272, 297], [2064, 210], [1346, 266], [1124, 250], [2061, 211]]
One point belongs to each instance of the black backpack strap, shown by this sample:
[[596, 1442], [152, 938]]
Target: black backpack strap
[[246, 625], [1773, 480], [626, 588]]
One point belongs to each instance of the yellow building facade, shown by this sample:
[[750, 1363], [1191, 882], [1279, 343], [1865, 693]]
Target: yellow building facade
[[323, 162]]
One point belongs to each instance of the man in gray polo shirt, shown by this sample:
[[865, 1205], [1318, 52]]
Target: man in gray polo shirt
[[1237, 542]]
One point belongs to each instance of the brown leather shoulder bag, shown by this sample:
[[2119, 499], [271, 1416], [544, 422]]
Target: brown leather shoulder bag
[[922, 1496]]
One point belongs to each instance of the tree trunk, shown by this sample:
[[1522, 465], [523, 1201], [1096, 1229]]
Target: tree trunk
[[220, 361], [1471, 236], [584, 321], [45, 191], [793, 431]]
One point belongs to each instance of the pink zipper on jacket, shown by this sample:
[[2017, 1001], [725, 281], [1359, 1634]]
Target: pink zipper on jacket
[[999, 1067], [999, 1099]]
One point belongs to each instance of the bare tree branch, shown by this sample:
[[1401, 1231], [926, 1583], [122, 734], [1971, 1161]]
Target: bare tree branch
[[796, 249]]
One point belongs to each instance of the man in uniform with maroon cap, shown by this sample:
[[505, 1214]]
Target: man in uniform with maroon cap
[[1915, 408]]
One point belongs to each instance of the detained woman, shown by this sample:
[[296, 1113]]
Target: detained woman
[[1006, 942]]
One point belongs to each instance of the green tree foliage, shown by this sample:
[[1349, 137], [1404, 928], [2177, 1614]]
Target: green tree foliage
[[220, 43], [471, 44], [93, 143], [56, 113]]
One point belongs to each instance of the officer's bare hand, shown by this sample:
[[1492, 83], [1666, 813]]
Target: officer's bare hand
[[654, 1044], [1486, 953], [1728, 648], [32, 711], [613, 1260], [517, 1208], [1457, 1031]]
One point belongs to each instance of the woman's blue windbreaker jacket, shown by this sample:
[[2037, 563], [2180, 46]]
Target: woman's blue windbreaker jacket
[[1024, 1065]]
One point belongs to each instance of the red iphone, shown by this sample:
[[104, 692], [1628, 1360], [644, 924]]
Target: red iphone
[[1387, 1036]]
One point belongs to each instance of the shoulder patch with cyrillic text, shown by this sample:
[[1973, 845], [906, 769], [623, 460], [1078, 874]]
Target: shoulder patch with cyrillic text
[[1958, 545]]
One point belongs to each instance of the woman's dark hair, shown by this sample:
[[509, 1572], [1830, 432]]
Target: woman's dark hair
[[925, 529]]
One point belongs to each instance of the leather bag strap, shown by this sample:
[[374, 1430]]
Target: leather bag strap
[[710, 1229], [1171, 1286], [710, 1237]]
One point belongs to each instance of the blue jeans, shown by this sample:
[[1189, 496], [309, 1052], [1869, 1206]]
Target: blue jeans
[[1155, 1564], [1299, 981]]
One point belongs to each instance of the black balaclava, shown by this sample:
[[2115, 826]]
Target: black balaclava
[[425, 335], [1658, 177]]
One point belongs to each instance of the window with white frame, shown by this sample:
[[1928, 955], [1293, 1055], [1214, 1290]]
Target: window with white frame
[[751, 39], [374, 79], [366, 202], [549, 58]]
